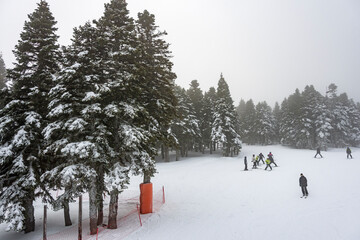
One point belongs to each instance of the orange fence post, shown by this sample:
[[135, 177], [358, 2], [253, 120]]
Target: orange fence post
[[146, 198]]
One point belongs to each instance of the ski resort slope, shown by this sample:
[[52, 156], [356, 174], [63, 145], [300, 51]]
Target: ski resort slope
[[211, 197]]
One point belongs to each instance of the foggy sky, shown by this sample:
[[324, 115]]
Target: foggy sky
[[264, 48]]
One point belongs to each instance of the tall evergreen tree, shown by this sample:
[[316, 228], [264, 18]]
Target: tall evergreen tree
[[23, 118], [247, 122], [186, 126], [224, 125], [4, 91], [76, 134], [156, 81], [277, 118], [264, 129], [2, 72], [208, 117], [291, 125], [196, 97]]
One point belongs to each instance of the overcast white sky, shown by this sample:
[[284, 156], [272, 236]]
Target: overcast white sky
[[264, 48]]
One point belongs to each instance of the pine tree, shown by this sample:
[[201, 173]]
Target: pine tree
[[196, 97], [291, 125], [156, 81], [4, 91], [117, 38], [264, 129], [315, 118], [208, 118], [277, 118], [2, 72], [23, 118], [224, 125], [247, 122], [186, 127], [76, 135]]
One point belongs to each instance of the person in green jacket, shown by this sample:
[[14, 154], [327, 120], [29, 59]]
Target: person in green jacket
[[268, 161]]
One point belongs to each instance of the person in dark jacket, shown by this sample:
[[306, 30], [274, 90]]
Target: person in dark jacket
[[303, 185], [348, 152], [245, 162], [318, 152], [261, 158], [270, 156]]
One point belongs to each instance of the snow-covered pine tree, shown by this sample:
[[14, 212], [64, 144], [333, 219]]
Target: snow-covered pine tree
[[344, 119], [22, 119], [197, 100], [315, 118], [136, 74], [264, 125], [240, 110], [208, 117], [186, 127], [76, 134], [156, 81], [224, 125], [2, 72], [247, 121], [291, 125], [277, 118]]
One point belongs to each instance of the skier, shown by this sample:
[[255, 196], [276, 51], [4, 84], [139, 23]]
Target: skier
[[303, 185], [318, 152], [270, 156], [348, 152], [268, 162], [245, 162], [254, 161], [257, 161], [261, 158]]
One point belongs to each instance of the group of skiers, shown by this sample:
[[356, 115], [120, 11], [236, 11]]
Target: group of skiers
[[256, 161], [348, 153]]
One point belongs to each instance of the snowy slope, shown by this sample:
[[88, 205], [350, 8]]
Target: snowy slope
[[210, 197]]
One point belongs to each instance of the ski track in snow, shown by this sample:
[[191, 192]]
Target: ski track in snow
[[211, 197]]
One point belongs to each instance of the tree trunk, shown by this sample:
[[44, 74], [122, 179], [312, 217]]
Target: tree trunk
[[177, 155], [67, 213], [113, 209], [29, 214], [162, 152], [80, 219], [211, 147], [147, 178], [99, 195], [92, 207], [166, 153], [44, 222], [100, 219]]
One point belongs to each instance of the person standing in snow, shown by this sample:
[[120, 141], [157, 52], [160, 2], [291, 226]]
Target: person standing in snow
[[318, 152], [348, 152], [257, 161], [245, 162], [254, 161], [268, 162], [270, 157], [261, 158], [303, 185]]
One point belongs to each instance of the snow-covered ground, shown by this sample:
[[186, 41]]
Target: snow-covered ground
[[211, 197]]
